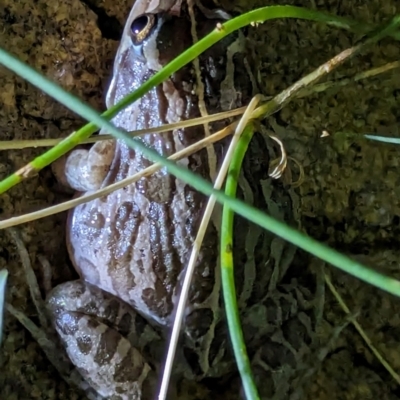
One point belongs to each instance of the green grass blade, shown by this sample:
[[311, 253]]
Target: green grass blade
[[227, 270], [259, 15]]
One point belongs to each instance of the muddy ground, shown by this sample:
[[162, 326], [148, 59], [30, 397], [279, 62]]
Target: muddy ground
[[349, 198]]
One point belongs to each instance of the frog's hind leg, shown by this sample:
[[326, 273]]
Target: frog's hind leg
[[93, 324], [43, 336]]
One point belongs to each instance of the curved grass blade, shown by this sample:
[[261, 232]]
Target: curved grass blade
[[222, 30], [227, 270]]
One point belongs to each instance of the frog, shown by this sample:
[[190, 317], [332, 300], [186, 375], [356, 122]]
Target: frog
[[130, 247]]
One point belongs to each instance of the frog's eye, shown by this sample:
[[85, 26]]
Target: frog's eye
[[142, 27]]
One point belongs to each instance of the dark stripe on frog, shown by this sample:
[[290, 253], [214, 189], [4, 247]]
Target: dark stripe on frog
[[129, 369], [204, 274], [124, 229], [111, 310], [126, 224], [107, 346], [68, 322], [165, 259], [84, 343]]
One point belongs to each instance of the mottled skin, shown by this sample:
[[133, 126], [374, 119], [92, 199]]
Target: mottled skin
[[135, 242]]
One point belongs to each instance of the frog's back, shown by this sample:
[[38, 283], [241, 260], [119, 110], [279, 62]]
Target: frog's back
[[135, 241]]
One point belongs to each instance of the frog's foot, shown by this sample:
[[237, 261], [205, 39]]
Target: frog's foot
[[43, 335], [85, 170], [89, 322], [54, 353]]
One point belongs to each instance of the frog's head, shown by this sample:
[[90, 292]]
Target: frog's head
[[154, 34]]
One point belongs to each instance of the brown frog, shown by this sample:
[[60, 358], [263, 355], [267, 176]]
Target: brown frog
[[133, 244]]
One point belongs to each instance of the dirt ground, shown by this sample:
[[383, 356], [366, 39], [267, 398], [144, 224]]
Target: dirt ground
[[349, 198]]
